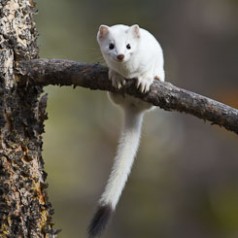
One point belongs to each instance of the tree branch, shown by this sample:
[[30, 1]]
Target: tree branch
[[94, 76]]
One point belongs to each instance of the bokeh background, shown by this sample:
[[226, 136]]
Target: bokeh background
[[185, 180]]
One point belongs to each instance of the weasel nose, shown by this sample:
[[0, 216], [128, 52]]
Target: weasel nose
[[120, 57]]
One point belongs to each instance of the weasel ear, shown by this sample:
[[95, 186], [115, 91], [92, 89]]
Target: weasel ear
[[135, 29], [102, 31]]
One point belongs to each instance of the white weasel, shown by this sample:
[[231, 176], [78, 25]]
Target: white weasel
[[131, 53]]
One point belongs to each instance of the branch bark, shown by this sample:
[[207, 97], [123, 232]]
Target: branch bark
[[94, 76]]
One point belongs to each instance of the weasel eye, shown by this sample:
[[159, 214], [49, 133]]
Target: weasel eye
[[128, 46], [111, 46]]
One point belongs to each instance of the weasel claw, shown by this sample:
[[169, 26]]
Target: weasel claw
[[143, 84], [117, 80]]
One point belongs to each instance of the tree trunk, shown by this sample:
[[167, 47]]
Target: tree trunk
[[24, 207]]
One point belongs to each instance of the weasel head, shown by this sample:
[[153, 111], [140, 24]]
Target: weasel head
[[118, 43]]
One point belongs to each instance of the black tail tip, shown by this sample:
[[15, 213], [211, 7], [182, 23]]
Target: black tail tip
[[99, 221]]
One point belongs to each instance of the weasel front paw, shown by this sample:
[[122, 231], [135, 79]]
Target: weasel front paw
[[144, 83], [117, 80]]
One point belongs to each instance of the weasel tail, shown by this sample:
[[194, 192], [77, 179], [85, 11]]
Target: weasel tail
[[131, 53], [126, 153]]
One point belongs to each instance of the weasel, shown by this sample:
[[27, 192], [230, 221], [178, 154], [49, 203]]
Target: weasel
[[131, 53]]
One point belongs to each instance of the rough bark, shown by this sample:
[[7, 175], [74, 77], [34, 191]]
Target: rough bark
[[94, 76], [24, 207]]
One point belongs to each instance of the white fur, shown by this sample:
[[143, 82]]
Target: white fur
[[127, 148], [142, 61]]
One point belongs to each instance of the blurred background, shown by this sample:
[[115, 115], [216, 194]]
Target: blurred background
[[185, 180]]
